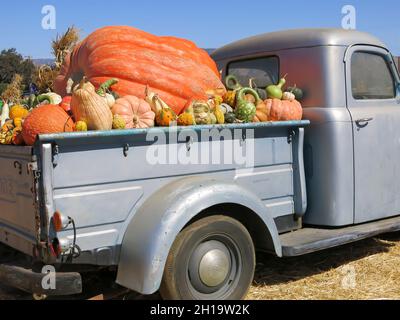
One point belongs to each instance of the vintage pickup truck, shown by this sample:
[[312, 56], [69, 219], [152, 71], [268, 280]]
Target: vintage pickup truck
[[190, 230]]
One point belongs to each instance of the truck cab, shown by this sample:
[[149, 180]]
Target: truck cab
[[352, 99]]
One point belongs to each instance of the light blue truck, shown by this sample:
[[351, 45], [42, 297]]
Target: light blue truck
[[191, 229]]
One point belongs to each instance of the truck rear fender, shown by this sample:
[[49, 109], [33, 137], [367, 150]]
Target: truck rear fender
[[153, 229]]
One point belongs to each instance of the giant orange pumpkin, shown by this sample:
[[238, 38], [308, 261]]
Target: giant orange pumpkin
[[174, 68], [45, 119]]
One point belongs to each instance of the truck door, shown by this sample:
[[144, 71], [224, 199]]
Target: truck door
[[373, 101]]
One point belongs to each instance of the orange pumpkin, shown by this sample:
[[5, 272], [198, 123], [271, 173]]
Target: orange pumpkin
[[174, 68], [284, 110], [136, 112], [262, 112], [278, 110], [45, 119]]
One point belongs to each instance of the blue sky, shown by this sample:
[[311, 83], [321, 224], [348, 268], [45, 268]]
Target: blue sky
[[208, 23]]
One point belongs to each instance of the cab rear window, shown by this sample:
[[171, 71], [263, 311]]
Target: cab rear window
[[263, 71]]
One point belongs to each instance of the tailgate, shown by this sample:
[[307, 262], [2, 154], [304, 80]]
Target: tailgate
[[17, 198]]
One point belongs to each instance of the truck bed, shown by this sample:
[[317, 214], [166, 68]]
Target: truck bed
[[101, 178]]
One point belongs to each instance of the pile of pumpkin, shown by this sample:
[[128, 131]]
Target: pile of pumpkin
[[162, 81], [13, 116], [85, 108], [248, 104]]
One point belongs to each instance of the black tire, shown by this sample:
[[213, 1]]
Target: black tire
[[211, 259]]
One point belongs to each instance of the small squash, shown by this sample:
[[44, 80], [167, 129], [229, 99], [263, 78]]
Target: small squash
[[298, 93], [246, 110], [233, 86], [276, 91], [230, 117], [135, 112], [66, 103], [18, 122], [226, 108], [6, 132], [81, 126], [118, 122], [164, 115], [217, 110], [17, 138], [18, 111], [262, 112], [104, 91], [186, 118], [288, 96], [202, 112], [5, 113], [88, 106]]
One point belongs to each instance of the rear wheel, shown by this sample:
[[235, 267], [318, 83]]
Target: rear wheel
[[211, 259]]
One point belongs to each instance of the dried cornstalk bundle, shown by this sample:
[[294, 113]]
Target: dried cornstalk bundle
[[44, 78], [64, 44], [13, 92]]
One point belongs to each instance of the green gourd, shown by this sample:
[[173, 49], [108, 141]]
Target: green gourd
[[232, 83], [261, 92], [298, 93], [275, 91], [230, 117], [1, 105], [246, 110]]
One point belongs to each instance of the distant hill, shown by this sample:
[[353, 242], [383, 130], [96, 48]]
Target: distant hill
[[49, 61], [40, 62], [209, 51]]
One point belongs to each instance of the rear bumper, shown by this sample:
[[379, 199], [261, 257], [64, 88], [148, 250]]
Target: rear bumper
[[65, 283]]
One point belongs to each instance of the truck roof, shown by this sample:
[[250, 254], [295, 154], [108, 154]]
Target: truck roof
[[296, 38]]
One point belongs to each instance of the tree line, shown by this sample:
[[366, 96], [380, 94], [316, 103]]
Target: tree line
[[11, 63]]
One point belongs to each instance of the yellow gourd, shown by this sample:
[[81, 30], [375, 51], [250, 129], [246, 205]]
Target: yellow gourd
[[18, 111], [81, 126], [118, 122], [186, 118]]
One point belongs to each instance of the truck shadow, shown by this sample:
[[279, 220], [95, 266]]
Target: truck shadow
[[271, 270]]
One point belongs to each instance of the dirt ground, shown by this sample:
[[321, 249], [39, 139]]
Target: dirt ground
[[369, 269]]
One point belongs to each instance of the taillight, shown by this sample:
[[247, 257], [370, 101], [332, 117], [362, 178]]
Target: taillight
[[60, 221], [60, 246], [55, 248]]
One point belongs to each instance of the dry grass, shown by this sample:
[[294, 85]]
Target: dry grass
[[324, 275], [369, 269], [13, 92]]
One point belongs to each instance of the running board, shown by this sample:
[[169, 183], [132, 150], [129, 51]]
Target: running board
[[308, 240]]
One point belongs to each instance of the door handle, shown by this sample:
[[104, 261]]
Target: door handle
[[361, 123]]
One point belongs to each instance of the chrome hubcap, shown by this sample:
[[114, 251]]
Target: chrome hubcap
[[210, 266], [214, 267]]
